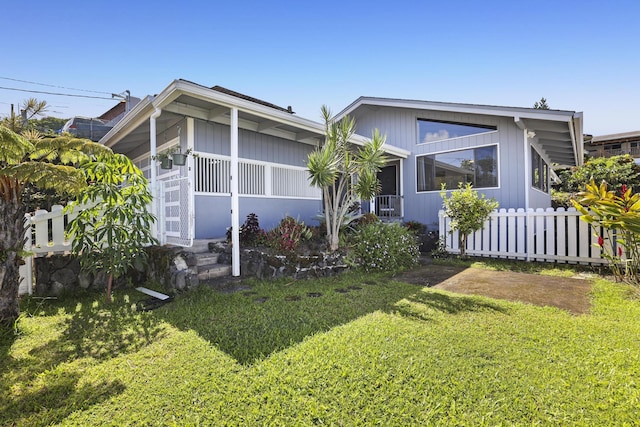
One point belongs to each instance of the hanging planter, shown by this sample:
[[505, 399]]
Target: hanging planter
[[166, 163], [173, 156], [179, 159]]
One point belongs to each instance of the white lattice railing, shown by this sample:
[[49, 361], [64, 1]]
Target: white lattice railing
[[213, 172]]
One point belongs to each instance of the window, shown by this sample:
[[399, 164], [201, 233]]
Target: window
[[539, 172], [478, 166], [434, 130]]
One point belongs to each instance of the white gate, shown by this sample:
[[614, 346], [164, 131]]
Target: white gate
[[176, 218]]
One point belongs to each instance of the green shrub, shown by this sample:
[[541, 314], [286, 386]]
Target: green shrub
[[416, 227], [288, 235], [385, 247]]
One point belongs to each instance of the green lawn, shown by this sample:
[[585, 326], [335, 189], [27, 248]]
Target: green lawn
[[388, 353]]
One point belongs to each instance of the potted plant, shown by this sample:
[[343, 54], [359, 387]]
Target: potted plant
[[173, 156], [165, 159], [180, 158]]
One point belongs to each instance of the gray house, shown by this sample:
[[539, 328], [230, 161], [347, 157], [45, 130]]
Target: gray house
[[251, 156], [506, 153], [265, 146]]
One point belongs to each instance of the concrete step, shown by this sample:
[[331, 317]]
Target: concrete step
[[201, 245], [211, 271], [207, 258]]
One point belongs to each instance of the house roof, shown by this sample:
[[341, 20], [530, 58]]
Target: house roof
[[184, 98], [617, 138], [557, 132]]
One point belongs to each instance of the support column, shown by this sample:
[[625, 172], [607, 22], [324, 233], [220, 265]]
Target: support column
[[153, 184], [235, 202]]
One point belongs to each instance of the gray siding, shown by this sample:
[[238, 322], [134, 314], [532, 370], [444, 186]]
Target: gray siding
[[215, 138], [400, 126], [213, 213], [539, 199]]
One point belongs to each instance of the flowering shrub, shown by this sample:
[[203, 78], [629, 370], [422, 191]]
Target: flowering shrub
[[615, 219], [385, 247], [286, 237]]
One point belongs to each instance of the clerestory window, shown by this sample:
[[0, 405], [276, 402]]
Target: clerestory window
[[437, 130]]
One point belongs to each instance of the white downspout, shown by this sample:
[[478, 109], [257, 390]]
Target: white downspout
[[527, 178], [235, 202], [153, 184]]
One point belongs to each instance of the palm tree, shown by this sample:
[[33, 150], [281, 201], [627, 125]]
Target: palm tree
[[41, 164], [345, 174]]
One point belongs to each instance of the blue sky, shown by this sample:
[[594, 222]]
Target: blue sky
[[580, 55]]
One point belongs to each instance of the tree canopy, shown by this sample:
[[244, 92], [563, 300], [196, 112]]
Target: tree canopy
[[41, 164]]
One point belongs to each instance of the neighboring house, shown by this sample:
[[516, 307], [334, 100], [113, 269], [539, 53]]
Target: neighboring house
[[95, 128], [507, 153], [504, 152], [614, 145]]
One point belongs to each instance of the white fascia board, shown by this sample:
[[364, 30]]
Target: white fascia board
[[179, 87], [390, 149], [130, 121], [524, 113]]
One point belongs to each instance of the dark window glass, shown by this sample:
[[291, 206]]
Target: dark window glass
[[539, 172], [478, 166]]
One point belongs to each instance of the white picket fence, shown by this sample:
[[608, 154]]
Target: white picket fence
[[45, 235], [533, 235]]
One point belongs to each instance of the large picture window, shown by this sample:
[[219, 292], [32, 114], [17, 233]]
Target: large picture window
[[539, 172], [436, 130], [478, 166]]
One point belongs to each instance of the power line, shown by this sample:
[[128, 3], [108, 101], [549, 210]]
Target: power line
[[56, 93], [59, 87]]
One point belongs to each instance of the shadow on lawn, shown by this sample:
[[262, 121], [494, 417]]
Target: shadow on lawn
[[276, 315], [53, 398], [422, 304], [46, 381]]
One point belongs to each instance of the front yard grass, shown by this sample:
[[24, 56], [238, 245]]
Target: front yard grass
[[389, 353]]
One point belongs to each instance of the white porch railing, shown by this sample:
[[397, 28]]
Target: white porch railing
[[262, 179], [535, 235], [388, 207]]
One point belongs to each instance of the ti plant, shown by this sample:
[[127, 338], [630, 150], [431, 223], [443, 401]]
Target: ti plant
[[615, 219]]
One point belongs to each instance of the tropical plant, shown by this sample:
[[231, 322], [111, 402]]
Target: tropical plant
[[615, 219], [385, 247], [113, 225], [29, 109], [344, 173], [468, 211], [41, 164], [288, 235]]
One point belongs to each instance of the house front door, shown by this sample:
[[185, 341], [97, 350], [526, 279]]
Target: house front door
[[388, 203]]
